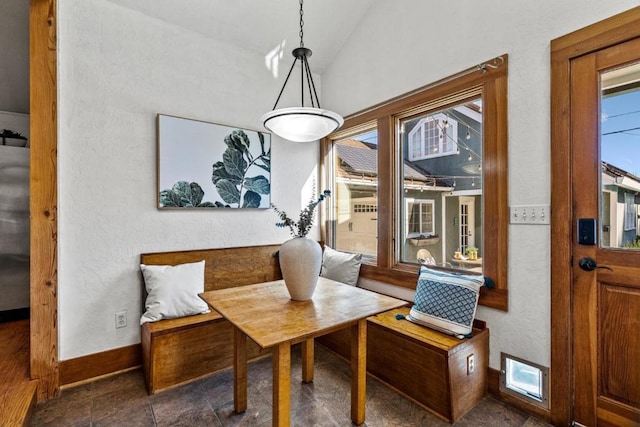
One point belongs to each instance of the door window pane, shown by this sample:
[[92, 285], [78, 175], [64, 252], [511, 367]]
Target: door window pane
[[355, 199], [620, 157], [441, 180]]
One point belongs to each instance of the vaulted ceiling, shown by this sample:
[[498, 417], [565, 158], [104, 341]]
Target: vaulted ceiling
[[254, 25], [262, 25]]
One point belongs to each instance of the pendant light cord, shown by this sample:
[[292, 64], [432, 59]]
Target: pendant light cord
[[301, 25], [305, 69], [302, 58]]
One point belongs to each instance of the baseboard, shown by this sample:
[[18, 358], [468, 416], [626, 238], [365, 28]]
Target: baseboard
[[97, 365], [494, 390]]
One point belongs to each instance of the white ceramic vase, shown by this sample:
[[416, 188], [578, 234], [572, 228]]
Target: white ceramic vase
[[300, 262]]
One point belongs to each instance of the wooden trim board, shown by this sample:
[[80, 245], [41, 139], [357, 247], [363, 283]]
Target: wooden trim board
[[44, 196], [95, 365]]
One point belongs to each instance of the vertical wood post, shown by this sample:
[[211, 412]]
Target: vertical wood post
[[43, 197]]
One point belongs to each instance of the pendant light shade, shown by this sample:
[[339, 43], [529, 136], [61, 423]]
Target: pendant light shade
[[302, 124]]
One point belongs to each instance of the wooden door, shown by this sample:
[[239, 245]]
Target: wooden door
[[605, 300]]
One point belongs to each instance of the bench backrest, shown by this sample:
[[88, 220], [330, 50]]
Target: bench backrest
[[226, 267]]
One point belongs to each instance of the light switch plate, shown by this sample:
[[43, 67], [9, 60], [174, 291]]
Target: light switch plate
[[529, 214]]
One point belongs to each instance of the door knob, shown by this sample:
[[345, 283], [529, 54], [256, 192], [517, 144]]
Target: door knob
[[589, 264]]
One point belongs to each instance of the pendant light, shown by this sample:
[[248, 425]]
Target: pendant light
[[302, 124]]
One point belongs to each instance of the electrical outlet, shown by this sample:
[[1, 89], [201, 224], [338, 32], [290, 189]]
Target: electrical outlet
[[121, 319], [529, 214], [471, 364]]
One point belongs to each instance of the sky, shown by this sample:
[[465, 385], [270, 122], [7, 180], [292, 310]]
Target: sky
[[620, 131]]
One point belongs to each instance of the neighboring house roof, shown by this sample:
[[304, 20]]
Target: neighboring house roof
[[615, 171], [360, 159], [358, 156], [620, 177]]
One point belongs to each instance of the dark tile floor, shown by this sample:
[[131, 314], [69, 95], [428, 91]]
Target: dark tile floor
[[122, 400]]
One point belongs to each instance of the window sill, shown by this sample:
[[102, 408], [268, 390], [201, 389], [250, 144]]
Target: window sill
[[406, 276]]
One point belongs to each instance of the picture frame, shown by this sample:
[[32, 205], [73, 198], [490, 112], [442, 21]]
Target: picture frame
[[208, 165]]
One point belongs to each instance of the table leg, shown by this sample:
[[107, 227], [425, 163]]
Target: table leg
[[358, 371], [281, 385], [239, 371], [307, 360]]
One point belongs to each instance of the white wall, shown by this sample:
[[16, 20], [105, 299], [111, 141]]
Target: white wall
[[117, 70], [400, 46]]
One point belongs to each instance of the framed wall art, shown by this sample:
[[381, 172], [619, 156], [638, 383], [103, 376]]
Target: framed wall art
[[207, 165]]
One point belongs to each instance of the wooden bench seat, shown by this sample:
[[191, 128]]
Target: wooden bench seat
[[428, 367], [176, 351], [169, 326]]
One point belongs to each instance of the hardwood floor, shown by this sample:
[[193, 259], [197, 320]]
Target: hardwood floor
[[17, 391]]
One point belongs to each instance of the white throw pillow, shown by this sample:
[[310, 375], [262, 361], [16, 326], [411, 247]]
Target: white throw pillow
[[341, 266], [172, 291]]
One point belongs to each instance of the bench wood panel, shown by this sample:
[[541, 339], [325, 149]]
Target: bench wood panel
[[226, 267], [176, 356]]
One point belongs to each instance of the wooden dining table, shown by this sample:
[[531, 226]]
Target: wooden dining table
[[266, 314]]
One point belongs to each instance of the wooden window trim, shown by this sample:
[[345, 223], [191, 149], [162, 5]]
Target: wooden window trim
[[492, 83]]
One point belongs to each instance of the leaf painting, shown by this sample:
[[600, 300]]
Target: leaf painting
[[205, 165]]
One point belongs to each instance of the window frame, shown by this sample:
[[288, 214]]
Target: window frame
[[491, 83], [407, 214]]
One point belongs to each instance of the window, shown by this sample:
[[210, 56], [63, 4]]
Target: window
[[355, 193], [451, 173], [524, 379], [433, 136], [629, 212], [419, 217], [358, 207], [439, 181]]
